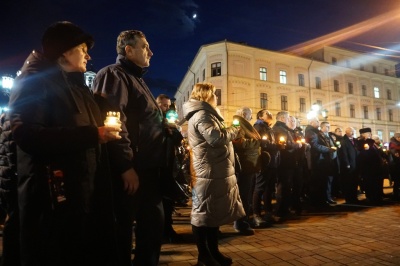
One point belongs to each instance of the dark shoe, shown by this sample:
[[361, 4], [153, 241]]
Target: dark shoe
[[222, 259], [259, 222], [248, 231], [207, 261], [279, 219], [331, 202]]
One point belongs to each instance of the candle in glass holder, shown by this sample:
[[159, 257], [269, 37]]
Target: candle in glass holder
[[264, 137], [303, 140], [112, 120], [366, 146], [235, 122], [282, 140]]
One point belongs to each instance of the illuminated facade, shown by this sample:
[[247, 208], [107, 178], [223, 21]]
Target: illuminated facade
[[352, 89]]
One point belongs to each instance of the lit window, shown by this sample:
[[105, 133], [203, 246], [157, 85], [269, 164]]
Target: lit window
[[376, 92], [282, 77], [263, 73], [216, 69]]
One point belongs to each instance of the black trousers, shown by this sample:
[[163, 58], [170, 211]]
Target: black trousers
[[146, 208]]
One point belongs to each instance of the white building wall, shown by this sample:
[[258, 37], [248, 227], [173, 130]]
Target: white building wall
[[240, 83]]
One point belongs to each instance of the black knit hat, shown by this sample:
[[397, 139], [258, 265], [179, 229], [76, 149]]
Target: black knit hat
[[365, 130], [62, 36]]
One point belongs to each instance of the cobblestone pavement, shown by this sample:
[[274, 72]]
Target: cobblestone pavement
[[341, 235]]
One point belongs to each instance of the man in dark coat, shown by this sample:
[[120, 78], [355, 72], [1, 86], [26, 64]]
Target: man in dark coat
[[321, 163], [264, 186], [370, 166], [137, 158], [348, 164], [286, 168]]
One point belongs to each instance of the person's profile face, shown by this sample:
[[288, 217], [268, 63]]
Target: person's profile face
[[164, 104], [76, 59], [140, 54]]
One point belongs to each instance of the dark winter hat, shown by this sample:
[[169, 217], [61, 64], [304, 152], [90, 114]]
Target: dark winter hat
[[62, 36], [365, 130]]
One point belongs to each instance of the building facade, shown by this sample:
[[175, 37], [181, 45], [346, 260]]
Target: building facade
[[350, 88]]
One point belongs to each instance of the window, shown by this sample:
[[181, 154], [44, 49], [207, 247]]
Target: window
[[378, 114], [301, 80], [389, 94], [303, 105], [204, 74], [365, 109], [364, 90], [197, 80], [218, 94], [374, 69], [352, 111], [362, 68], [391, 134], [376, 92], [263, 101], [318, 82], [390, 115], [380, 134], [216, 69], [334, 61], [282, 77], [337, 109], [336, 85], [350, 88], [284, 103], [386, 72], [263, 73], [348, 63]]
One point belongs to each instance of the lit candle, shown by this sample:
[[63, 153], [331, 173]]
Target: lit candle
[[303, 140], [264, 137], [366, 146], [112, 120], [282, 140], [235, 122]]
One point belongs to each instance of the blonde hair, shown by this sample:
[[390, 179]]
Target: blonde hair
[[203, 92]]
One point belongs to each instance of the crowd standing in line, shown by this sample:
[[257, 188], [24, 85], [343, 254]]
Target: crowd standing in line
[[83, 186]]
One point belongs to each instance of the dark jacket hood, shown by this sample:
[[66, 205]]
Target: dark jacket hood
[[192, 106]]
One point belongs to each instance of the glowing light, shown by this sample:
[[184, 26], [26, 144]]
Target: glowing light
[[194, 16]]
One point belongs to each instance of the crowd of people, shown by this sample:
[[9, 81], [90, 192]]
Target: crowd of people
[[83, 170]]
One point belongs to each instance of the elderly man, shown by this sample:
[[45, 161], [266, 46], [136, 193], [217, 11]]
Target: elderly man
[[247, 147]]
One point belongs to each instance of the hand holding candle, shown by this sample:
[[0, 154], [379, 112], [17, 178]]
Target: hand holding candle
[[366, 146], [112, 120]]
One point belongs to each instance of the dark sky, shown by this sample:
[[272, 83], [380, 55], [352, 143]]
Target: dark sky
[[175, 36]]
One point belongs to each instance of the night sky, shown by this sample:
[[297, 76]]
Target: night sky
[[175, 35]]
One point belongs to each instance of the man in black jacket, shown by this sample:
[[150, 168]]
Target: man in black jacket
[[137, 158], [265, 181], [348, 163], [286, 168]]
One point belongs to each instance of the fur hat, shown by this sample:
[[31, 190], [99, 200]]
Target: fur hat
[[62, 36], [365, 130]]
